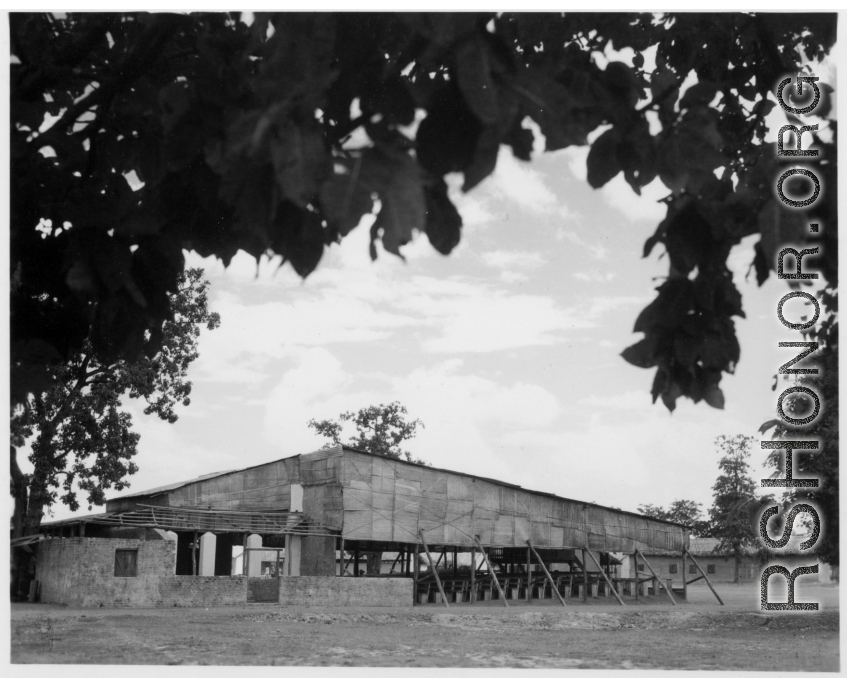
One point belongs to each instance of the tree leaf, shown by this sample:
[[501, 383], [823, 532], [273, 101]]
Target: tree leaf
[[301, 161], [714, 396], [443, 221], [345, 201], [700, 94], [447, 137], [174, 102], [473, 71], [564, 119], [640, 354], [395, 176], [603, 163], [769, 425], [485, 158], [298, 236]]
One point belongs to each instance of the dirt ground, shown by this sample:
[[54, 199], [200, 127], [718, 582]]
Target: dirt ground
[[653, 634]]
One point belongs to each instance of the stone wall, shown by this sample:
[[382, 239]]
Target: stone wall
[[80, 572], [346, 591]]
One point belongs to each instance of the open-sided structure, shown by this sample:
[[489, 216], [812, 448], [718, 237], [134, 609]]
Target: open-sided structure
[[313, 511]]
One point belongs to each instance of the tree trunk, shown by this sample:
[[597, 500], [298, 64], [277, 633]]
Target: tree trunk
[[39, 481], [36, 498], [736, 577], [19, 492], [19, 557]]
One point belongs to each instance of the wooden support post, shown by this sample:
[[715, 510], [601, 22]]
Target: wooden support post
[[653, 572], [491, 571], [277, 573], [288, 558], [356, 562], [341, 565], [82, 529], [455, 561], [416, 568], [440, 557], [434, 571], [584, 578], [244, 555], [473, 574], [697, 565], [194, 555], [684, 576], [531, 548], [605, 576], [528, 574], [635, 565], [396, 560]]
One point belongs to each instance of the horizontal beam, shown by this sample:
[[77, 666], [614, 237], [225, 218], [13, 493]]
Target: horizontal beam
[[206, 520]]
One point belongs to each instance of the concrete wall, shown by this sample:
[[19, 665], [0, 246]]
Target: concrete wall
[[346, 591], [80, 572]]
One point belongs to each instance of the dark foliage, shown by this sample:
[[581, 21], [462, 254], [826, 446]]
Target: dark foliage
[[81, 438], [237, 132]]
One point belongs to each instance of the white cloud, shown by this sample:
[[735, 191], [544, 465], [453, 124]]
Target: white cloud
[[600, 305], [511, 277], [645, 207], [598, 251], [514, 180], [512, 259], [466, 416], [463, 414], [313, 318], [594, 276], [486, 321]]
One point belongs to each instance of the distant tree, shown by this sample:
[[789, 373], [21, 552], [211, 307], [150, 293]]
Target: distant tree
[[380, 429], [81, 440], [735, 499], [683, 511]]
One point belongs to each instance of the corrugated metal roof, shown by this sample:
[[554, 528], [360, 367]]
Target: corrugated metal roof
[[175, 486], [340, 448]]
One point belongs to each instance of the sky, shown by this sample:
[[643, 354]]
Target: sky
[[508, 349]]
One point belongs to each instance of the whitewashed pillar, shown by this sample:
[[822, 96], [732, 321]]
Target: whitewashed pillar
[[254, 558], [293, 542], [208, 544]]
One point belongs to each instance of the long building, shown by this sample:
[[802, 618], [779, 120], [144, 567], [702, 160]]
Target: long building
[[302, 514]]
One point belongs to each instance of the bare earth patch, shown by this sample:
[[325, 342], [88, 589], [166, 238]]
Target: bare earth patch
[[698, 634]]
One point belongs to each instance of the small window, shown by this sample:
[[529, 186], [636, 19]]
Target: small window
[[710, 569], [126, 562], [641, 567], [692, 569], [672, 568]]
